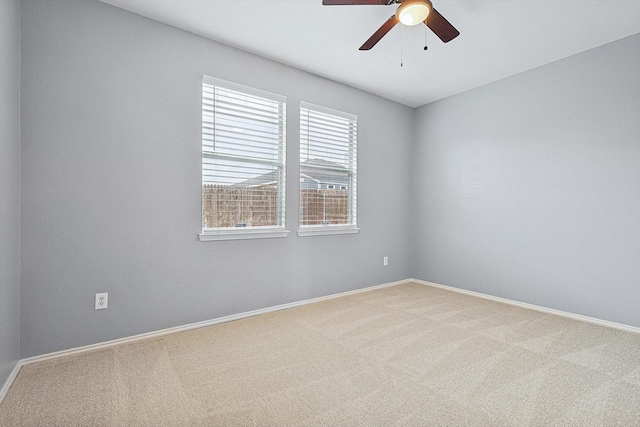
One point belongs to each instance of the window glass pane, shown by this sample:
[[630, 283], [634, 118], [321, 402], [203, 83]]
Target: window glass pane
[[243, 156], [328, 166]]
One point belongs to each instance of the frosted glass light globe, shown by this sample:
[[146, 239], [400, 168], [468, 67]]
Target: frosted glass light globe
[[413, 13]]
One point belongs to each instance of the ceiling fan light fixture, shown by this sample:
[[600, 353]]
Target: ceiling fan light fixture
[[412, 13]]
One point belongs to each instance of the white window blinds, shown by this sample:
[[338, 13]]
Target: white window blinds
[[243, 157], [328, 167]]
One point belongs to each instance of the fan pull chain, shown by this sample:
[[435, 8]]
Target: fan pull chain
[[425, 38], [401, 45]]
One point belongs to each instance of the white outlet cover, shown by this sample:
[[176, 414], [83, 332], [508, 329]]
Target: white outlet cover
[[102, 301]]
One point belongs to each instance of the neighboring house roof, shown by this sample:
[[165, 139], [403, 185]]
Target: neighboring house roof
[[260, 180], [324, 172], [321, 171]]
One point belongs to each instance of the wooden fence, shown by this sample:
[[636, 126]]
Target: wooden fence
[[225, 206], [324, 207]]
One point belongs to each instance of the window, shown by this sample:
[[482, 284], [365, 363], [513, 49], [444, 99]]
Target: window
[[328, 171], [243, 162]]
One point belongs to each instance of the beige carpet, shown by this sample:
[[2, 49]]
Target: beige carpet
[[403, 355]]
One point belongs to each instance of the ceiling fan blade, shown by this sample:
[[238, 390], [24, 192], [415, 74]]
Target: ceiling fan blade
[[440, 26], [384, 29], [358, 2]]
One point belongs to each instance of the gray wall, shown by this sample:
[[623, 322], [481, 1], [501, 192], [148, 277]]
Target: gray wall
[[111, 182], [9, 187], [529, 188]]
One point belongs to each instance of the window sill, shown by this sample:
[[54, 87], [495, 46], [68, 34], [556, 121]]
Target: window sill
[[326, 231], [243, 234]]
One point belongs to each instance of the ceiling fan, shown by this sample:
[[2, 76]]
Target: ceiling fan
[[410, 13]]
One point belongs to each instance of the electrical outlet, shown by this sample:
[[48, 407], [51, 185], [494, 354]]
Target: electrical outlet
[[385, 261], [102, 301]]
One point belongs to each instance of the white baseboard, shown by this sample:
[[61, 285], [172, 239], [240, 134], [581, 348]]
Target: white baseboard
[[205, 323], [162, 332], [7, 384], [574, 316]]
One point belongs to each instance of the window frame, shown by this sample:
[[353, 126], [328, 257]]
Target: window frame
[[256, 232], [331, 229]]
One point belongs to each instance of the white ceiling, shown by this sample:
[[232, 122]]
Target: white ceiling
[[498, 38]]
